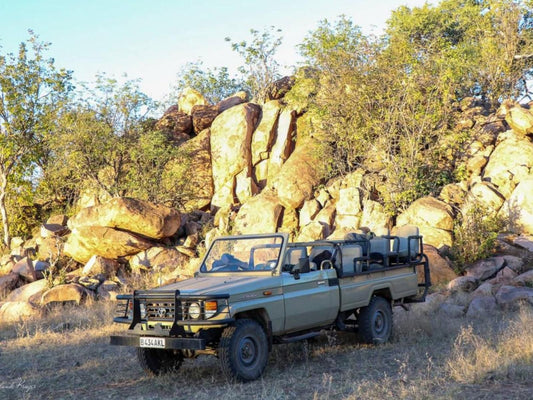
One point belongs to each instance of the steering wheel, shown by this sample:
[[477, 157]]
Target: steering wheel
[[231, 267]]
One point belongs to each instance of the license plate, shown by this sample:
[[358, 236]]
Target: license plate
[[152, 342]]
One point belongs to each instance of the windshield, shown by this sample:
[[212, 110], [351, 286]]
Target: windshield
[[243, 254]]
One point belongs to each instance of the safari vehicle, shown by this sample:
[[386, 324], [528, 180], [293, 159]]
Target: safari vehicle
[[253, 291]]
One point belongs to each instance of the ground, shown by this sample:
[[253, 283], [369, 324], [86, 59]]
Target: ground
[[66, 355]]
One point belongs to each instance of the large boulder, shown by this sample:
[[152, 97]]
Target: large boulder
[[232, 101], [486, 195], [486, 269], [520, 119], [481, 307], [190, 98], [260, 214], [70, 292], [177, 124], [374, 215], [519, 207], [231, 135], [434, 219], [509, 164], [203, 116], [512, 297], [313, 231], [283, 145], [441, 271], [309, 211], [298, 176], [158, 258], [8, 283], [264, 135], [14, 311], [278, 89], [86, 241], [138, 216], [98, 265], [29, 292], [25, 269]]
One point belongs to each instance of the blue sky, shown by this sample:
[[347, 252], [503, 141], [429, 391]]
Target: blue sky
[[152, 39]]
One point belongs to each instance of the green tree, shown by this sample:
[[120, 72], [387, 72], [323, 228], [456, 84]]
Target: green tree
[[260, 67], [32, 93], [215, 84]]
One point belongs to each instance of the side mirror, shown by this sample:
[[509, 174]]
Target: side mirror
[[295, 271]]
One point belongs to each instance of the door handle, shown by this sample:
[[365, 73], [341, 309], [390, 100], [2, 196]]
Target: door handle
[[321, 283]]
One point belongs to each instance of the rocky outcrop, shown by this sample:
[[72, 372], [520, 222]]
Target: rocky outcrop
[[260, 214]]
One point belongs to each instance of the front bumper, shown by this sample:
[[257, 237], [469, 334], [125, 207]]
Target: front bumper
[[170, 343]]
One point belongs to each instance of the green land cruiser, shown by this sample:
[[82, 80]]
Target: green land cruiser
[[253, 291]]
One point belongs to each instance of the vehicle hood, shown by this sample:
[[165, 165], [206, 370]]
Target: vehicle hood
[[222, 284]]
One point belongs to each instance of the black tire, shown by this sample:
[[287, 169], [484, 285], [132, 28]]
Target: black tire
[[159, 361], [375, 321], [243, 350]]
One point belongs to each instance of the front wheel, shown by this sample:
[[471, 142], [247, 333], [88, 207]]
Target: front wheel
[[243, 350], [375, 321], [159, 361]]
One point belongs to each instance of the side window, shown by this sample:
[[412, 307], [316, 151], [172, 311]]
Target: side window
[[293, 256]]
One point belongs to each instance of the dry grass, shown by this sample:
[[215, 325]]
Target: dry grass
[[67, 356]]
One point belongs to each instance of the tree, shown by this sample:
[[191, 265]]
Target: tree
[[215, 84], [260, 67], [32, 94]]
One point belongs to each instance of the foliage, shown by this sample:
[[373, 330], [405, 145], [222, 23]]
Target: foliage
[[475, 234], [32, 93], [387, 104], [260, 67], [214, 84]]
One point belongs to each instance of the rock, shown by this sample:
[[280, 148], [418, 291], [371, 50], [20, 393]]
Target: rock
[[519, 206], [486, 269], [89, 283], [525, 242], [481, 307], [260, 214], [50, 230], [520, 119], [158, 258], [177, 124], [323, 197], [232, 101], [441, 271], [314, 231], [348, 222], [309, 210], [349, 202], [298, 176], [14, 311], [289, 222], [511, 296], [326, 216], [25, 269], [203, 116], [434, 219], [463, 284], [57, 219], [504, 276], [8, 283], [16, 244], [86, 241], [283, 144], [245, 186], [192, 241], [486, 195], [475, 164], [100, 265], [108, 290], [374, 216], [70, 292], [452, 310], [40, 268], [525, 279], [186, 251], [509, 164], [263, 137], [485, 289], [278, 89], [190, 98], [231, 135], [27, 292], [513, 262], [127, 214], [432, 303]]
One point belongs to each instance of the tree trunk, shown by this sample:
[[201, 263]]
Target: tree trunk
[[3, 211]]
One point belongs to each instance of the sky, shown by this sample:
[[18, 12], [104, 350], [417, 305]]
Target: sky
[[153, 39]]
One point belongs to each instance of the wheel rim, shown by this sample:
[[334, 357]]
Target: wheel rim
[[247, 351], [380, 323]]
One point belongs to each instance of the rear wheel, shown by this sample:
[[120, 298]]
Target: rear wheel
[[159, 361], [243, 350], [375, 321]]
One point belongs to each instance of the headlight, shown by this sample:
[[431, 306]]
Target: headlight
[[194, 310]]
